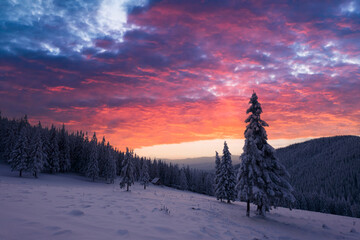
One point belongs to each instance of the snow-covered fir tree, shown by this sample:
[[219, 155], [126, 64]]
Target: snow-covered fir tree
[[64, 149], [109, 165], [85, 153], [102, 157], [93, 165], [127, 171], [217, 175], [46, 144], [20, 153], [183, 180], [53, 153], [37, 156], [226, 185], [76, 151], [9, 141], [144, 174], [262, 179]]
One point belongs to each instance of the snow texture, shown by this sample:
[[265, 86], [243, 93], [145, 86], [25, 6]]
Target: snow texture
[[66, 206]]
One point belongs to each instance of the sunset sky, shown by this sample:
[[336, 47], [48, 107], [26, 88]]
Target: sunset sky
[[174, 78]]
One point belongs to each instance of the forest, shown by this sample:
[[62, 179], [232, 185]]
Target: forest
[[54, 150], [325, 174]]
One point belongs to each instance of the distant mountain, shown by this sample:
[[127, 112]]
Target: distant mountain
[[325, 173], [202, 163]]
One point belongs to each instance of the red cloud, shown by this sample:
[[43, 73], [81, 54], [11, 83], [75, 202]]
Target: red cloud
[[187, 71]]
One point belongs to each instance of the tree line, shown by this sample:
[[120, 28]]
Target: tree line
[[37, 149]]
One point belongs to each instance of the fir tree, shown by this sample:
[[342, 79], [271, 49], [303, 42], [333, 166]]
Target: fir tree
[[93, 165], [102, 157], [20, 153], [46, 146], [183, 180], [144, 175], [217, 175], [64, 149], [53, 152], [262, 179], [37, 155], [109, 165], [9, 141], [85, 153], [76, 148], [127, 171], [226, 185]]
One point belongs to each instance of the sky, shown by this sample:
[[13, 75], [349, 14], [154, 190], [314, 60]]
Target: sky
[[165, 76]]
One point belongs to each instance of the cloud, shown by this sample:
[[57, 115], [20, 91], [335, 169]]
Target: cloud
[[64, 27], [159, 72]]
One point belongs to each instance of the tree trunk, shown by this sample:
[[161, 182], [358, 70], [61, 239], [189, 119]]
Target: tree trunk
[[144, 186], [127, 187], [248, 208], [261, 210], [20, 173], [228, 201]]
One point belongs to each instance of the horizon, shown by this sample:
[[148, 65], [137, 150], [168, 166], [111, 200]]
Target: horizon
[[173, 79]]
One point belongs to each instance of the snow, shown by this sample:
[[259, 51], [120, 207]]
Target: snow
[[67, 206]]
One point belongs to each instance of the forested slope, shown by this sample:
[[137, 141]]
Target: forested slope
[[325, 173]]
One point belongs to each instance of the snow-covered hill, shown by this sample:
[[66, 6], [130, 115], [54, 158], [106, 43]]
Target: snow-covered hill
[[70, 207]]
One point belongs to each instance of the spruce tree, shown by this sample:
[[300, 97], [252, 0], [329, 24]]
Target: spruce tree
[[226, 185], [85, 153], [127, 171], [93, 165], [262, 179], [102, 157], [64, 149], [53, 153], [183, 180], [9, 141], [20, 153], [109, 165], [217, 175], [76, 150], [46, 146], [37, 154], [144, 176]]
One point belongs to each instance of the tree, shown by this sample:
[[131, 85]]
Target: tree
[[93, 165], [183, 180], [37, 154], [85, 153], [262, 179], [76, 151], [217, 176], [226, 185], [53, 152], [64, 149], [9, 140], [127, 171], [19, 155], [144, 176], [109, 165], [102, 157]]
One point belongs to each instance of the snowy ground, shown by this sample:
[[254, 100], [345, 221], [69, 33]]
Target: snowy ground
[[70, 207]]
